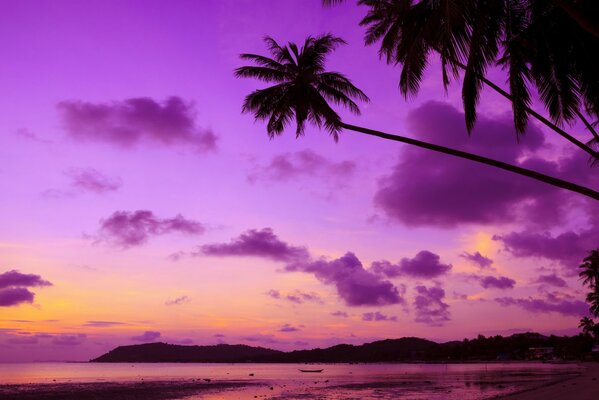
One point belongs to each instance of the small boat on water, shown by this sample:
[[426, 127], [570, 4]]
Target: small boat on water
[[311, 370]]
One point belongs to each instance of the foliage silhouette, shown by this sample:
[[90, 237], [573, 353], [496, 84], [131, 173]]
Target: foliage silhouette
[[301, 89]]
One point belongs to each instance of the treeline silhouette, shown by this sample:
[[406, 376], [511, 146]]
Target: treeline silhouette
[[409, 349]]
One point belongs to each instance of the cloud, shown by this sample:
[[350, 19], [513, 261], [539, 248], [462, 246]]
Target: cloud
[[30, 135], [178, 301], [478, 259], [257, 243], [377, 316], [103, 324], [128, 122], [424, 265], [354, 284], [551, 279], [134, 228], [147, 336], [305, 163], [568, 248], [15, 278], [342, 314], [289, 328], [22, 340], [69, 340], [299, 297], [275, 294], [429, 306], [551, 304], [92, 180], [426, 188], [502, 282], [265, 339]]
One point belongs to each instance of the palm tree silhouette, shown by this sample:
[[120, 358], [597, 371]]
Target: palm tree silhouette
[[587, 325], [590, 269], [302, 89], [590, 276], [550, 44]]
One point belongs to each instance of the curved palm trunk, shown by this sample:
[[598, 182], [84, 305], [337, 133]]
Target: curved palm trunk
[[480, 159]]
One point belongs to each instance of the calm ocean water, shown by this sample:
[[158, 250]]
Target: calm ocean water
[[337, 381]]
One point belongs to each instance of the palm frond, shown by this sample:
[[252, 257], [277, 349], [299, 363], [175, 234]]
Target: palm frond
[[302, 87]]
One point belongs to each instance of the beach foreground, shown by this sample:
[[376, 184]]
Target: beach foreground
[[582, 387], [92, 381]]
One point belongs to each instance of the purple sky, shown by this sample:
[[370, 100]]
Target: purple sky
[[139, 204]]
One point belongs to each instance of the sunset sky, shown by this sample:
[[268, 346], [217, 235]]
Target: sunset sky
[[138, 203]]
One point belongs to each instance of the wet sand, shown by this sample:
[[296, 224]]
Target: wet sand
[[151, 390], [582, 387]]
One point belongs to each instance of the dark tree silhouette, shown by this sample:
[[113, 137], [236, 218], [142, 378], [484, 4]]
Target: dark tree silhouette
[[536, 42], [302, 89], [590, 276], [587, 325], [590, 269]]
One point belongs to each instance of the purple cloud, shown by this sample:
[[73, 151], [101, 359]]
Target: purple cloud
[[429, 305], [426, 188], [289, 328], [178, 301], [177, 256], [14, 296], [478, 259], [127, 229], [377, 316], [15, 278], [424, 265], [26, 340], [257, 243], [300, 297], [265, 339], [91, 180], [342, 314], [103, 324], [125, 123], [567, 248], [502, 282], [551, 279], [147, 336], [69, 340], [275, 294], [565, 307], [354, 284], [289, 166]]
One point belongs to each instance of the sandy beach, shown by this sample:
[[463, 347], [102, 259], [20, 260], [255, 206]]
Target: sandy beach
[[582, 387]]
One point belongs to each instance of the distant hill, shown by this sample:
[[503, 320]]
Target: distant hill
[[163, 352], [515, 347]]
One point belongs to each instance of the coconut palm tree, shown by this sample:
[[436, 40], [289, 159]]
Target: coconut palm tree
[[590, 269], [593, 300], [587, 325], [535, 41], [302, 90]]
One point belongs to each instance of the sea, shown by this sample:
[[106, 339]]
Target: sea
[[283, 381]]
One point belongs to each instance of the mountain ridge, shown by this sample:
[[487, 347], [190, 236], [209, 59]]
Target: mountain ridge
[[412, 349]]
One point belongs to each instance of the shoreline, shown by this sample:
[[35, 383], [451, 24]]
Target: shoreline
[[584, 386]]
